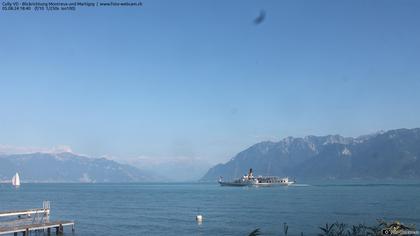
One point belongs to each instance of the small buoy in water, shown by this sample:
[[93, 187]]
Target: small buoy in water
[[199, 218]]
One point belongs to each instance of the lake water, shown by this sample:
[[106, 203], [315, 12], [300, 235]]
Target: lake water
[[170, 209]]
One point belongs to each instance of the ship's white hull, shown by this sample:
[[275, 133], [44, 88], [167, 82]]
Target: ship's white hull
[[233, 184]]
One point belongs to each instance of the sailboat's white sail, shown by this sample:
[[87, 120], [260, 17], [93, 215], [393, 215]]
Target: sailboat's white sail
[[16, 180]]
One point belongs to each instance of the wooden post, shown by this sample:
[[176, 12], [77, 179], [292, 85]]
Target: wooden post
[[59, 229], [15, 234], [49, 231], [72, 228]]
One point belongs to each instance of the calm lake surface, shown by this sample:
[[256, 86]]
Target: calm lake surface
[[170, 209]]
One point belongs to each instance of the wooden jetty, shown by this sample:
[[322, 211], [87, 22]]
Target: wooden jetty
[[26, 229], [32, 220]]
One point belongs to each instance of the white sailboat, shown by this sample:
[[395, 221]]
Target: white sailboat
[[16, 180]]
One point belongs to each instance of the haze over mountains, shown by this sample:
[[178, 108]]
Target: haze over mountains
[[58, 166], [68, 167], [391, 154]]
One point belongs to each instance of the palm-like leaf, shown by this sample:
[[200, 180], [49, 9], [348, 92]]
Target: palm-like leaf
[[328, 230], [285, 228], [256, 232]]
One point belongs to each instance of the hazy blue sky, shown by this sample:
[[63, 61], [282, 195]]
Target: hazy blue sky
[[197, 79]]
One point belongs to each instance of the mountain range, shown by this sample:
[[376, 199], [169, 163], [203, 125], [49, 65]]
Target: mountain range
[[67, 167], [390, 154]]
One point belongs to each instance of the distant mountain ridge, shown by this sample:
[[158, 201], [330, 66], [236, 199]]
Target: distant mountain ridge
[[390, 154], [67, 167]]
